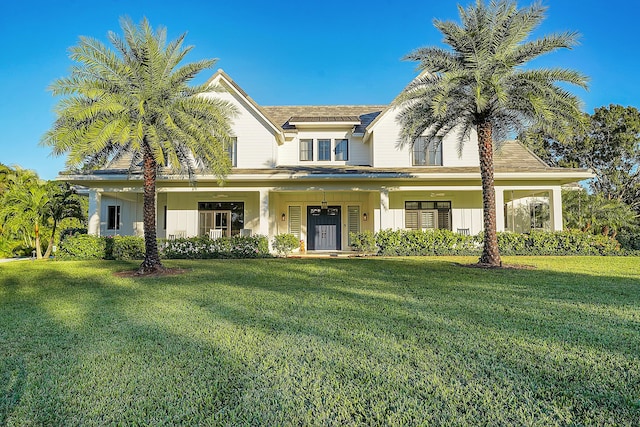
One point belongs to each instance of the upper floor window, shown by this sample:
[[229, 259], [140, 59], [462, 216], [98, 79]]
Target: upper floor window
[[427, 152], [232, 151], [324, 150], [342, 150], [306, 150], [113, 217]]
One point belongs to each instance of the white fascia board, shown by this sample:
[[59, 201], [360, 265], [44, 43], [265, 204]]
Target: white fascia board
[[579, 176], [325, 125]]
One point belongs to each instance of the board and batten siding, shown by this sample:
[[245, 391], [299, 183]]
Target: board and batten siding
[[289, 152], [257, 146], [388, 152]]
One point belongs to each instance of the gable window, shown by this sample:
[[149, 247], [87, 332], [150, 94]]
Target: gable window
[[342, 149], [427, 152], [232, 151], [306, 150], [113, 217], [427, 215], [324, 149]]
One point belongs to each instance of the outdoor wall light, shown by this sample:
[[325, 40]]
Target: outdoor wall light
[[365, 217], [283, 217]]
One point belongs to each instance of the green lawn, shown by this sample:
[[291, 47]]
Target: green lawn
[[405, 341]]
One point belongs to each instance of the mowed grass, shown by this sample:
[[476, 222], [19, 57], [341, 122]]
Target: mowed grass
[[403, 341]]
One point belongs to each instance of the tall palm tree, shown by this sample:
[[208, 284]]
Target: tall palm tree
[[481, 84], [135, 102]]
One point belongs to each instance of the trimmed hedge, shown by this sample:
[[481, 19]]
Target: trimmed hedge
[[445, 242], [225, 247], [124, 247], [428, 242], [82, 246]]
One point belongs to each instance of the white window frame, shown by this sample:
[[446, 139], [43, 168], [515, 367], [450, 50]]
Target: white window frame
[[308, 145], [427, 152], [325, 142], [113, 219], [345, 152]]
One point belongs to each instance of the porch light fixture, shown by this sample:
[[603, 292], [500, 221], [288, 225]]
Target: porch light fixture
[[283, 217], [365, 216], [324, 201]]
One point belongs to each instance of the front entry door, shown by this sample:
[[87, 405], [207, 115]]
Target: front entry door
[[325, 237], [323, 227]]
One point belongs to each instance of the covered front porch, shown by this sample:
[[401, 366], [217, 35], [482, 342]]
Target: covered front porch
[[323, 215]]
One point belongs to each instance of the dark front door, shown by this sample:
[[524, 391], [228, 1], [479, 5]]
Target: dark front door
[[323, 227]]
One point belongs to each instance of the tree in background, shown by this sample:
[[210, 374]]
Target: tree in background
[[609, 145], [136, 103], [22, 212], [480, 84], [32, 209], [596, 214], [63, 203]]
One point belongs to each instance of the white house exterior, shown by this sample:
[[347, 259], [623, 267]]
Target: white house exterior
[[321, 172]]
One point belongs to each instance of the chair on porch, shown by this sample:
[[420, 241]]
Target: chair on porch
[[463, 231], [245, 232], [215, 234], [178, 234]]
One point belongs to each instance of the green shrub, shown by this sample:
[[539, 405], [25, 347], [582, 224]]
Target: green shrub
[[82, 246], [124, 247], [225, 247], [445, 242], [71, 231], [428, 242], [629, 240], [284, 244], [364, 242]]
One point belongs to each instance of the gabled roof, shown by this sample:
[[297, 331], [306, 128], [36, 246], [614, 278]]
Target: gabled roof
[[221, 75], [511, 155], [282, 115]]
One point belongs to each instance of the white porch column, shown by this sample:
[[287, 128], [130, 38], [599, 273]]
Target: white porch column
[[555, 206], [381, 220], [264, 213], [499, 208], [94, 212]]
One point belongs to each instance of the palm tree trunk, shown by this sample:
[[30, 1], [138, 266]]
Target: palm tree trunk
[[38, 248], [490, 252], [151, 261], [47, 254]]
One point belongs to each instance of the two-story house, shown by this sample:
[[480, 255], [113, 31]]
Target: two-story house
[[320, 172]]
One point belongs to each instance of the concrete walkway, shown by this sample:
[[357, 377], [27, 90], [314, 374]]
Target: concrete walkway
[[13, 259]]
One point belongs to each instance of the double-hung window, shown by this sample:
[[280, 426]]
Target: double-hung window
[[232, 151], [342, 150], [113, 217], [324, 150], [427, 152], [306, 150]]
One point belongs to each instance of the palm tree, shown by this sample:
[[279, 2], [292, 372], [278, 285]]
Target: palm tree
[[63, 203], [135, 102], [481, 84], [21, 213]]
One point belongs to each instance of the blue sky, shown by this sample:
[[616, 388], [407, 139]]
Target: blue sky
[[286, 52]]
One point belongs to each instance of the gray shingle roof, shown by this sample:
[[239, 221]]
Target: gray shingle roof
[[365, 113]]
